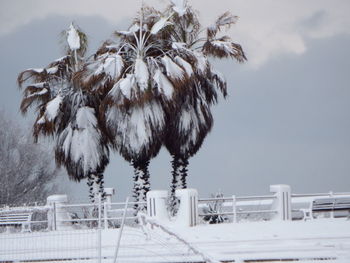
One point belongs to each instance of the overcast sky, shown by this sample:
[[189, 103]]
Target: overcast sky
[[286, 119]]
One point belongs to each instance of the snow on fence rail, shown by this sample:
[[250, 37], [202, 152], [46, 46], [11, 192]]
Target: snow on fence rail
[[57, 214]]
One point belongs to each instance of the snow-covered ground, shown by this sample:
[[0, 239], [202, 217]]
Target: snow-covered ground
[[321, 240]]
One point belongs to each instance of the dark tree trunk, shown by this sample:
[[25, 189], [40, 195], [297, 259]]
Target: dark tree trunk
[[174, 202], [141, 183], [99, 180], [95, 183], [179, 174], [183, 163]]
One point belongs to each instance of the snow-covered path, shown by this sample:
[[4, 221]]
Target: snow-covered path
[[322, 239]]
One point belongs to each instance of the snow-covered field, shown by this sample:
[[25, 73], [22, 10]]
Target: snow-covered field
[[321, 240]]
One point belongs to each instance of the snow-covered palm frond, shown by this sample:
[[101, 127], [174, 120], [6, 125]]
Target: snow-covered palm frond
[[185, 65], [34, 94], [202, 63], [52, 108], [82, 151], [41, 85], [149, 66], [48, 119], [73, 38], [188, 128], [220, 81], [223, 48], [173, 71], [133, 29], [137, 132], [126, 86], [76, 42], [164, 86], [160, 24], [54, 72], [225, 20], [202, 122], [81, 145], [112, 66], [101, 71], [186, 27], [37, 91], [179, 6], [141, 74]]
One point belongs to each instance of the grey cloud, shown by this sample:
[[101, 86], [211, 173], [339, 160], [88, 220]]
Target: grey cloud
[[315, 21]]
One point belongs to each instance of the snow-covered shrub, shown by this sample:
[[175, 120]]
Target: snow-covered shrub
[[213, 211]]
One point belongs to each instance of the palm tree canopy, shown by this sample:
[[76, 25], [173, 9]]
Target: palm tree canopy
[[45, 88], [192, 121], [81, 145], [138, 79], [65, 110]]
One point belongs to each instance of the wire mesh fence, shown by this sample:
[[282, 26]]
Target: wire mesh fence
[[88, 233], [57, 232], [50, 246]]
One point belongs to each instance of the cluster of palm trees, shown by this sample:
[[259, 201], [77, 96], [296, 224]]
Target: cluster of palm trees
[[151, 87]]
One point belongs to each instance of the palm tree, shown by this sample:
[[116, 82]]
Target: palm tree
[[68, 113], [81, 146], [139, 81], [192, 120]]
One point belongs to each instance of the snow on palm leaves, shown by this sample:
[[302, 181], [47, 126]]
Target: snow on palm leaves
[[188, 126], [44, 89], [60, 113], [144, 82], [81, 145], [153, 85]]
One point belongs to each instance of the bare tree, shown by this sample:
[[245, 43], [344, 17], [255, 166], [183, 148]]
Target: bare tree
[[27, 170]]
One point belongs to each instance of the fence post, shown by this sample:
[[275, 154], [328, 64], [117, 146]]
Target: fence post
[[54, 217], [156, 205], [99, 239], [188, 209], [282, 202], [120, 231], [234, 209], [58, 216], [109, 193], [105, 215]]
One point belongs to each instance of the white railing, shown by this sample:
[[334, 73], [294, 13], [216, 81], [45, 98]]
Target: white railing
[[73, 216], [61, 215], [252, 208]]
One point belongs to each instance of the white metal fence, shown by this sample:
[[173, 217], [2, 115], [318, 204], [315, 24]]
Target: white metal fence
[[259, 208]]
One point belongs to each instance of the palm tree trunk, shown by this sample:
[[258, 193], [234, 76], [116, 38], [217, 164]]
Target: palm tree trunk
[[174, 202], [183, 163], [141, 183], [95, 183], [179, 173], [90, 183]]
